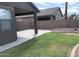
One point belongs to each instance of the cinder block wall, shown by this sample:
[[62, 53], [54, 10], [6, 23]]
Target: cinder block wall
[[43, 24], [28, 23], [23, 23], [52, 24]]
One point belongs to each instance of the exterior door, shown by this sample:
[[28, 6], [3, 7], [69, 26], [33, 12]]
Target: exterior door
[[7, 25]]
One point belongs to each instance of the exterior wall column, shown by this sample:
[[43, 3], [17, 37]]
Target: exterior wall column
[[51, 18], [35, 23]]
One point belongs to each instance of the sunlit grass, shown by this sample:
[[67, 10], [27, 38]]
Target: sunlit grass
[[49, 44]]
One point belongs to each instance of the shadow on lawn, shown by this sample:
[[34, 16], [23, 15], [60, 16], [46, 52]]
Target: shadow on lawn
[[19, 50]]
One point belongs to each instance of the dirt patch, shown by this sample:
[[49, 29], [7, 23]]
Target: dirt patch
[[66, 30], [71, 34]]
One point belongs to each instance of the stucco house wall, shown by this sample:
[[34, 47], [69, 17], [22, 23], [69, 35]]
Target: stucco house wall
[[58, 15], [56, 11]]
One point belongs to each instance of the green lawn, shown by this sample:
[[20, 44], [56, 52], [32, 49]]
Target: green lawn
[[49, 44]]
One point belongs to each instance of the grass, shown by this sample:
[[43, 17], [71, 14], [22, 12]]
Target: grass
[[47, 45]]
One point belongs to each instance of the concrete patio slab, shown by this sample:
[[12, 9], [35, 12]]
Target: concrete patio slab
[[23, 36]]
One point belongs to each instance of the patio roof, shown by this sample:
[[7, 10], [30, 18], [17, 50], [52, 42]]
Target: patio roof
[[21, 8]]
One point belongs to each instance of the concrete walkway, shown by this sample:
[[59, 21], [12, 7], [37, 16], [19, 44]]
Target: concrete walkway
[[75, 51], [23, 36]]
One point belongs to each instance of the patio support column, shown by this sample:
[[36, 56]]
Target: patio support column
[[51, 18], [35, 23]]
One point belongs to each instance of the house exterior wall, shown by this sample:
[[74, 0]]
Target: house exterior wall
[[58, 15]]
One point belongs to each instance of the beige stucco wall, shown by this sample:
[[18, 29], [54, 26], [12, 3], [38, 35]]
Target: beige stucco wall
[[58, 15]]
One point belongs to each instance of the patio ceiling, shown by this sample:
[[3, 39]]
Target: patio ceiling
[[21, 8]]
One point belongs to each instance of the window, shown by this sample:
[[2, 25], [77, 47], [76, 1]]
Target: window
[[54, 17], [5, 19], [5, 14], [43, 18], [5, 25]]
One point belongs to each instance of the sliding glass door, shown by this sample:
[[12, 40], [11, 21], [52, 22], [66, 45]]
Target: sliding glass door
[[7, 25]]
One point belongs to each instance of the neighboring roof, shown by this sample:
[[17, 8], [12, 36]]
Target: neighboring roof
[[21, 7], [50, 11]]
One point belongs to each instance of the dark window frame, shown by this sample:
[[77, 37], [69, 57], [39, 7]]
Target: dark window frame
[[44, 18], [54, 17]]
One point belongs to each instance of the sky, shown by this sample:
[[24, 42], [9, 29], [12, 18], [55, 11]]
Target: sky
[[73, 7]]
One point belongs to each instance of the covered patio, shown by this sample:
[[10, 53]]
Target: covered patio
[[8, 13]]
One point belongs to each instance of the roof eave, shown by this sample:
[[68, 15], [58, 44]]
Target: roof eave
[[34, 7]]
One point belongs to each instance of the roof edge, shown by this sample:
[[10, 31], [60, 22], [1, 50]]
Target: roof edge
[[61, 12], [33, 6]]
